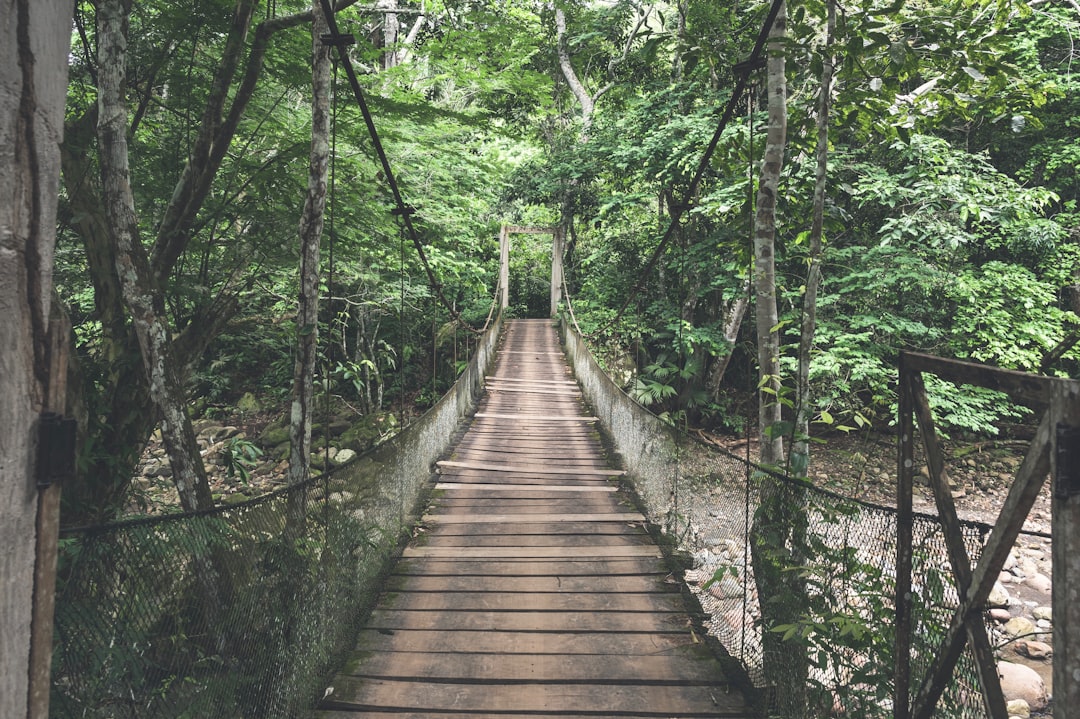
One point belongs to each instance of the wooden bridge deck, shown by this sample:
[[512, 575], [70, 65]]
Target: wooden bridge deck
[[534, 589]]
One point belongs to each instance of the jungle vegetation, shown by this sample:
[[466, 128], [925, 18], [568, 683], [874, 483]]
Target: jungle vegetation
[[919, 160]]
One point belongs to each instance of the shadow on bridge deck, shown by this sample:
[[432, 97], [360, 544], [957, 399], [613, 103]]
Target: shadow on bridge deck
[[532, 587]]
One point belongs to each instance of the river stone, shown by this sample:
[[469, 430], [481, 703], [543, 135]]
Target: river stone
[[1000, 615], [1046, 613], [1035, 650], [1020, 682], [343, 456], [1019, 626], [1039, 582], [248, 403], [999, 596], [1018, 708]]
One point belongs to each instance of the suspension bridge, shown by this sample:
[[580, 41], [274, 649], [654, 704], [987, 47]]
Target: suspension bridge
[[524, 549], [533, 587], [520, 551]]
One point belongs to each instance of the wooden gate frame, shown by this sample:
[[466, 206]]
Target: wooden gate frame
[[1056, 448], [558, 243]]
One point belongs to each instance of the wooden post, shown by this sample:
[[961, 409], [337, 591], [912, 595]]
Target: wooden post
[[905, 484], [504, 267], [1065, 466], [60, 462], [557, 247]]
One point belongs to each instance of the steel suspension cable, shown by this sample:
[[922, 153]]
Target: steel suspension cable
[[743, 70], [405, 212]]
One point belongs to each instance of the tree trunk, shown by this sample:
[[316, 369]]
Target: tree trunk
[[732, 319], [34, 41], [779, 522], [768, 338], [133, 269], [311, 226], [800, 451]]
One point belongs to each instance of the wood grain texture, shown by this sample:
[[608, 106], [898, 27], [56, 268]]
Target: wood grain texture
[[532, 587]]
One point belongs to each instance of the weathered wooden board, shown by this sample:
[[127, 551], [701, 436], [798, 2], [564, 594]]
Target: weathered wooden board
[[664, 700], [637, 583], [532, 587]]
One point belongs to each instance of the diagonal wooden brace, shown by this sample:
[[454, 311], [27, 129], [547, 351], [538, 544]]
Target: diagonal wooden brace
[[975, 586]]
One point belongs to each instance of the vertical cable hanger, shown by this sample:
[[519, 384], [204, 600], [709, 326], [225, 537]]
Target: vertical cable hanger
[[400, 210]]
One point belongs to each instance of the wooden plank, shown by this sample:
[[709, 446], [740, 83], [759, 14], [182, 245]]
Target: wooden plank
[[530, 621], [521, 518], [503, 487], [630, 566], [531, 552], [551, 540], [533, 390], [535, 417], [600, 531], [595, 602], [508, 643], [527, 698], [532, 469], [517, 584], [498, 667], [531, 381], [428, 714]]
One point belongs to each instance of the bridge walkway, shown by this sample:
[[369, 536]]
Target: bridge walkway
[[532, 587]]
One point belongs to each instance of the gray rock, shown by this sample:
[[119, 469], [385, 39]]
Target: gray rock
[[1046, 613], [343, 456], [1019, 626], [1035, 650], [1039, 582], [1018, 708], [1020, 682], [999, 596]]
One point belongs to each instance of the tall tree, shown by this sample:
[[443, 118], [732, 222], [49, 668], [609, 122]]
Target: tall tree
[[137, 282], [34, 41], [800, 451], [779, 521], [767, 317], [311, 227]]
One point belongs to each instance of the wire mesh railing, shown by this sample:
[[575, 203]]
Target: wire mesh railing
[[244, 610], [796, 582]]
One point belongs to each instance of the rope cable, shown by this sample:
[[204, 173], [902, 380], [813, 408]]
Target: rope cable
[[400, 209], [742, 71]]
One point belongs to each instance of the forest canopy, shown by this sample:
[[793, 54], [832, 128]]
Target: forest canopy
[[924, 198]]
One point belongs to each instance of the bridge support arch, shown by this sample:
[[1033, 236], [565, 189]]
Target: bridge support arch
[[558, 247]]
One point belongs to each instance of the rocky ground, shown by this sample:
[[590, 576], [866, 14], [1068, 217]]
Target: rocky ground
[[246, 453], [980, 474]]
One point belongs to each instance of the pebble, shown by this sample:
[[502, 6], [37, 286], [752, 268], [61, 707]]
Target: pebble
[[999, 596], [1000, 615], [1035, 650], [1039, 582], [1046, 613], [1019, 626]]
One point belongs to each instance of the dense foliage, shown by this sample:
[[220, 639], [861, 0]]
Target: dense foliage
[[951, 219]]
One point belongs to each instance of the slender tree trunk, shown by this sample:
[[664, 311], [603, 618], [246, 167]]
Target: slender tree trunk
[[732, 321], [776, 537], [800, 452], [34, 41], [768, 338], [311, 226], [136, 279]]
